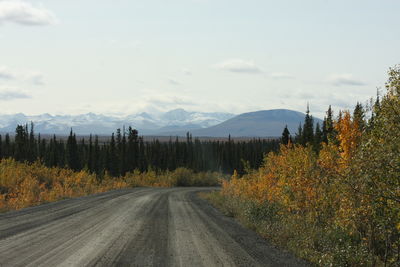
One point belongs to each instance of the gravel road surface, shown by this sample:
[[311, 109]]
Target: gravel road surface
[[132, 227]]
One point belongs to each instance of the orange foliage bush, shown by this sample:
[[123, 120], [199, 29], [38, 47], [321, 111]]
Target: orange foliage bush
[[340, 219], [23, 185]]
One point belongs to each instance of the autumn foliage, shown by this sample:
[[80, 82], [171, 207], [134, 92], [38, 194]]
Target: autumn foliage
[[339, 206], [24, 185]]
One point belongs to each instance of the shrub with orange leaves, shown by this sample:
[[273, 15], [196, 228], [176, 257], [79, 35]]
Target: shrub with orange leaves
[[23, 185], [338, 206]]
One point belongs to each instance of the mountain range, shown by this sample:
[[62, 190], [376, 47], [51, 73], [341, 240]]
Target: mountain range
[[175, 122], [147, 124]]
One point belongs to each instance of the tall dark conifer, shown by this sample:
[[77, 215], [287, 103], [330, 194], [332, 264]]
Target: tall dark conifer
[[359, 116], [21, 143], [318, 138], [330, 128], [112, 158], [299, 135], [308, 128], [7, 148], [324, 131], [72, 156], [285, 136]]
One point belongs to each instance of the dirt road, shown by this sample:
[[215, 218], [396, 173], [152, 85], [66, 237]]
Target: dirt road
[[133, 227]]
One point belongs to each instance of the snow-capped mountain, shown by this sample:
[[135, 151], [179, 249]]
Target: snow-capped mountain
[[174, 120]]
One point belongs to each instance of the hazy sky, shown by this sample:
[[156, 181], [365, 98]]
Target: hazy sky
[[128, 56]]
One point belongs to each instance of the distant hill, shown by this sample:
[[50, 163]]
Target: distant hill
[[265, 123]]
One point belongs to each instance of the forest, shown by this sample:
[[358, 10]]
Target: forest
[[126, 151], [331, 198]]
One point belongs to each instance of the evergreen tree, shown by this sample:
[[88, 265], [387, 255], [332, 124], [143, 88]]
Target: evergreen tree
[[318, 138], [375, 112], [285, 136], [133, 149], [32, 150], [72, 156], [330, 128], [299, 135], [324, 131], [21, 143], [308, 129], [97, 167], [90, 155], [112, 158], [7, 149], [359, 116]]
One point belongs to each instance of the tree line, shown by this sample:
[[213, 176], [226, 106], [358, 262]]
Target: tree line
[[316, 135], [126, 151]]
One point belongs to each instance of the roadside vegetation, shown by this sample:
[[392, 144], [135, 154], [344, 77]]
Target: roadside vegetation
[[330, 195], [23, 185]]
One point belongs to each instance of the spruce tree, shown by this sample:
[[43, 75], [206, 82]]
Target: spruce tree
[[318, 138], [112, 158], [308, 129], [32, 153], [72, 153], [285, 136], [7, 149], [97, 167], [324, 131], [21, 143], [299, 135], [330, 128], [359, 116]]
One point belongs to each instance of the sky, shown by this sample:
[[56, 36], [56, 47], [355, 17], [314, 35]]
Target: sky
[[120, 57]]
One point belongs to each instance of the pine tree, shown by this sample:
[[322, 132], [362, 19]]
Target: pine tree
[[359, 116], [299, 135], [112, 158], [285, 136], [97, 167], [133, 149], [375, 112], [318, 138], [72, 156], [330, 128], [21, 143], [32, 151], [90, 158], [324, 131], [308, 129], [7, 150]]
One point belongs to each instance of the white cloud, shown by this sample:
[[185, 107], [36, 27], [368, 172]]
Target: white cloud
[[8, 94], [21, 12], [239, 66], [6, 73], [345, 79], [33, 77]]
